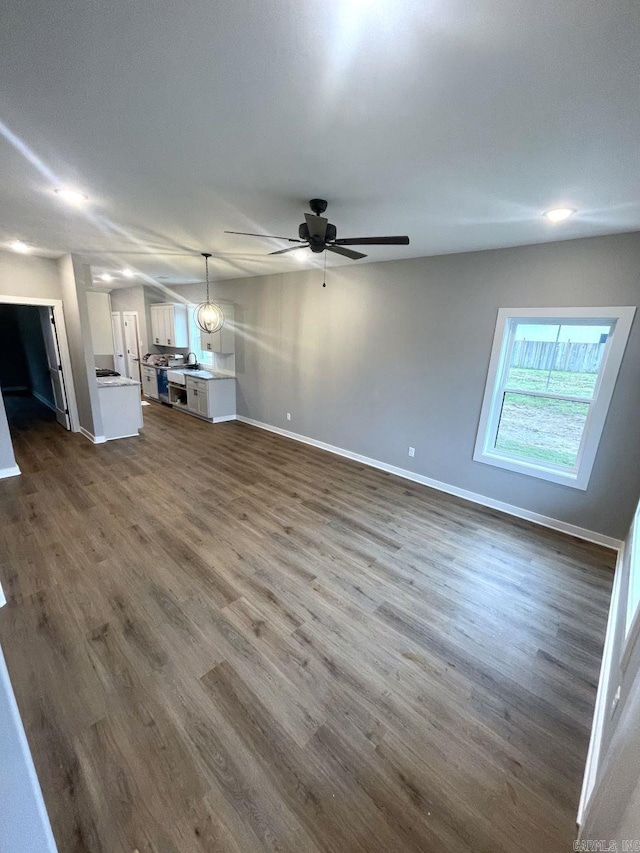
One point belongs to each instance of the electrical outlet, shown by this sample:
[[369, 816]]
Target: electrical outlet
[[412, 451], [288, 416]]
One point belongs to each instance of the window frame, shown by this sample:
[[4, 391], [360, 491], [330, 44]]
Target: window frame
[[620, 318]]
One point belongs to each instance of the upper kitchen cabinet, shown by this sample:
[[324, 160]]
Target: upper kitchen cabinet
[[224, 340], [169, 325]]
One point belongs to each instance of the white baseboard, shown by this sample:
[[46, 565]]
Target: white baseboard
[[509, 509], [118, 437], [13, 471], [44, 401], [96, 439], [224, 419]]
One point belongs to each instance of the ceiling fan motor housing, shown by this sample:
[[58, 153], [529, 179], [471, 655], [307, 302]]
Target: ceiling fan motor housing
[[317, 245]]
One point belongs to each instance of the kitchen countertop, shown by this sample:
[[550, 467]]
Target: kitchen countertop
[[199, 374], [114, 381], [161, 366]]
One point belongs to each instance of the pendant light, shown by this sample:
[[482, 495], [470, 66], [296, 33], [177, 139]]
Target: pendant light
[[209, 317]]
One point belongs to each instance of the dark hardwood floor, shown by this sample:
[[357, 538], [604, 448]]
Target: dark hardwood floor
[[222, 640]]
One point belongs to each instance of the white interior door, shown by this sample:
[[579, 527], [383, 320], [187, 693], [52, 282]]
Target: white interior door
[[119, 360], [131, 344], [54, 363]]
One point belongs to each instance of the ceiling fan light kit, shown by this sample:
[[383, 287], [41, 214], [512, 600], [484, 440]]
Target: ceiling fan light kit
[[209, 317]]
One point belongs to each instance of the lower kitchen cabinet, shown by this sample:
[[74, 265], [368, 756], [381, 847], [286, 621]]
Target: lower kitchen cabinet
[[150, 382], [213, 399]]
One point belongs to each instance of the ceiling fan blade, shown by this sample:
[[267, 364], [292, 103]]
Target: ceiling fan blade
[[290, 249], [317, 226], [373, 241], [266, 236], [348, 253]]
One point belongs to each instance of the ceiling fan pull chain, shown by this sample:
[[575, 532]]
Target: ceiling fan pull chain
[[324, 277]]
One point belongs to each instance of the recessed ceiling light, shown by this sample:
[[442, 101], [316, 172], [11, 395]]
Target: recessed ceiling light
[[128, 273], [558, 214], [106, 277], [71, 196], [19, 246]]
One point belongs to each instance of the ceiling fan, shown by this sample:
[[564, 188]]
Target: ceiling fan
[[317, 233]]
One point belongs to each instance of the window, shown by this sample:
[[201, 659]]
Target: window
[[550, 381]]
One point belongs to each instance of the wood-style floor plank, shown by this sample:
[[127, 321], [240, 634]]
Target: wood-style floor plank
[[222, 641]]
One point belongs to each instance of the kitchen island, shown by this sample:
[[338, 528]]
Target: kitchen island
[[120, 405]]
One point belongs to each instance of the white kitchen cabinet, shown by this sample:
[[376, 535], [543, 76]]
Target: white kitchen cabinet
[[120, 406], [150, 382], [170, 325], [224, 340], [197, 397], [213, 399]]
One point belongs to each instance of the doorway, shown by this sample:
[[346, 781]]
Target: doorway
[[31, 361], [119, 355], [132, 344]]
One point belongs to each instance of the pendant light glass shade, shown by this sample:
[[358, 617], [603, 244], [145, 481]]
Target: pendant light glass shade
[[209, 317]]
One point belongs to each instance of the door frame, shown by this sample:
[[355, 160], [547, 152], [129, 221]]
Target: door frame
[[116, 321], [63, 345], [134, 315]]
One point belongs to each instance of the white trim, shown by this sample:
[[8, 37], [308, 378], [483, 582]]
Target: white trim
[[63, 344], [224, 418], [95, 439], [632, 607], [600, 710], [14, 735], [509, 509], [138, 357], [117, 437], [13, 471], [621, 318], [43, 400]]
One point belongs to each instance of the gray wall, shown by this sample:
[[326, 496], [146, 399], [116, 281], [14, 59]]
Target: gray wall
[[396, 354], [25, 275], [74, 280]]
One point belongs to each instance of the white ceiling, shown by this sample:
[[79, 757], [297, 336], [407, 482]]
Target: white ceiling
[[454, 121]]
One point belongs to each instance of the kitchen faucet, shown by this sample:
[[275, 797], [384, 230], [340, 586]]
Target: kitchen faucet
[[193, 363]]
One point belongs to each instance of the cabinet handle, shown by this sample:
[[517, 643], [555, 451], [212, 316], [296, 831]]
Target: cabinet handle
[[157, 340], [169, 341]]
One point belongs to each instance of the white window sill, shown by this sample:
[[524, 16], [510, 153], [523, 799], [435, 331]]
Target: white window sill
[[575, 480]]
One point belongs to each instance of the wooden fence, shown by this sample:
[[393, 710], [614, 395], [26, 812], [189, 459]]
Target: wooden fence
[[549, 355]]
